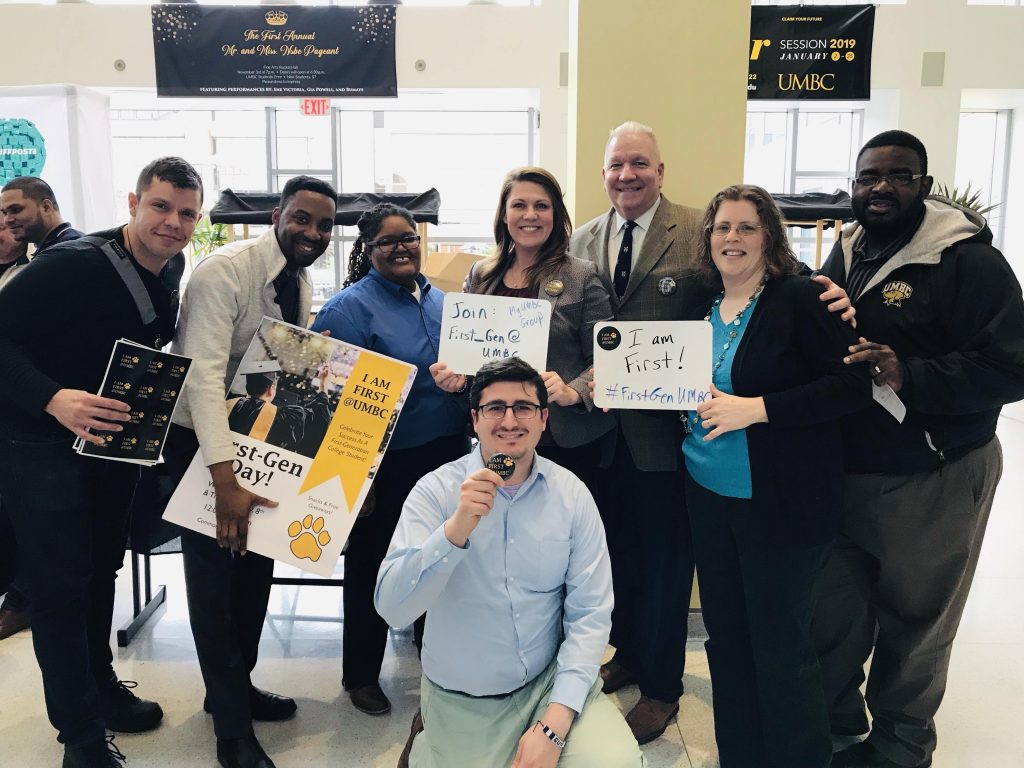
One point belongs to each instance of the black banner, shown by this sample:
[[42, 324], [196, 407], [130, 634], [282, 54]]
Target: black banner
[[810, 52], [285, 50]]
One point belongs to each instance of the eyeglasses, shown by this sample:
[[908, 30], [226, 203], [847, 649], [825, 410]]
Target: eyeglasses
[[743, 229], [389, 244], [522, 411], [894, 179]]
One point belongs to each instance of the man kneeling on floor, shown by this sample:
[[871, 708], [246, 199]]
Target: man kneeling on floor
[[514, 577]]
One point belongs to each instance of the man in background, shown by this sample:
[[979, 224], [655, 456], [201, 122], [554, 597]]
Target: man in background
[[29, 209]]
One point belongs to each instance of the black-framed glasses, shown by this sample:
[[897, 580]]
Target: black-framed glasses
[[389, 244], [496, 411], [894, 179], [743, 229]]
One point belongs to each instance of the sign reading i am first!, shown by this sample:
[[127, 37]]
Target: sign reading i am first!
[[660, 364], [478, 328]]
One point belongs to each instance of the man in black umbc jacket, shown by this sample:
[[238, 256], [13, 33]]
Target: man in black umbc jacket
[[941, 318]]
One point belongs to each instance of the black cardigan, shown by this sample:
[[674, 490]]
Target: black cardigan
[[792, 354]]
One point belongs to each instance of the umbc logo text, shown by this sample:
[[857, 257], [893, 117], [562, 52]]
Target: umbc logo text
[[809, 82]]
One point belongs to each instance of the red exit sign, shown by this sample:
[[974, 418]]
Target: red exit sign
[[315, 106]]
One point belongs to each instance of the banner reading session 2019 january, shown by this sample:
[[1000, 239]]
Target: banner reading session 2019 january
[[810, 52], [286, 50]]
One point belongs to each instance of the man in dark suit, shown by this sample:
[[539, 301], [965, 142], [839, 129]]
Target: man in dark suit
[[642, 247]]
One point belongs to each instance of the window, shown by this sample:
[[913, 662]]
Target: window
[[793, 151], [981, 161], [460, 142]]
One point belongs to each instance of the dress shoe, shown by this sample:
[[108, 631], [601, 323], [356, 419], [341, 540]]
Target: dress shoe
[[417, 728], [12, 622], [370, 700], [124, 711], [865, 755], [650, 717], [615, 676], [852, 724], [95, 754], [245, 752], [265, 706]]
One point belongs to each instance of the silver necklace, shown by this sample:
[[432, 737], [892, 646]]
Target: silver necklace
[[733, 333]]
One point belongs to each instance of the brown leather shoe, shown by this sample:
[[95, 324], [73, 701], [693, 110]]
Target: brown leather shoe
[[370, 700], [650, 717], [417, 727], [12, 622], [615, 676]]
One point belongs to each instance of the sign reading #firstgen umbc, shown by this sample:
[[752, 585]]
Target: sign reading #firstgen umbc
[[810, 52], [286, 50]]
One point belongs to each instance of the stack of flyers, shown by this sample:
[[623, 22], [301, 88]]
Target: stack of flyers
[[150, 382]]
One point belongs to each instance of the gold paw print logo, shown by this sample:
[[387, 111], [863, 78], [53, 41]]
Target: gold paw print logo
[[308, 538]]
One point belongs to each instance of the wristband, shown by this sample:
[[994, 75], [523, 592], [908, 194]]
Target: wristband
[[462, 389], [552, 736]]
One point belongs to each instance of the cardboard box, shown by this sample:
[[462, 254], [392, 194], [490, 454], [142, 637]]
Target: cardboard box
[[447, 271]]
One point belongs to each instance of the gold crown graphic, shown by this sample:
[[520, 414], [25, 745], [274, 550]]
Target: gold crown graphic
[[276, 18]]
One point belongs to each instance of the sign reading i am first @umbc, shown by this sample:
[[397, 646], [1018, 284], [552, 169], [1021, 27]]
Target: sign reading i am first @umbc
[[287, 50], [810, 52]]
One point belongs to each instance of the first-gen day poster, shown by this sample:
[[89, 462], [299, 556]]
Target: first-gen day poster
[[810, 52], [311, 417], [285, 50]]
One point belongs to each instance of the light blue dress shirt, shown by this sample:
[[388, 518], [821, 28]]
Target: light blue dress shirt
[[533, 581]]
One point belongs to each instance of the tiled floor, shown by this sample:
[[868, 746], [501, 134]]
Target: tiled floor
[[980, 724]]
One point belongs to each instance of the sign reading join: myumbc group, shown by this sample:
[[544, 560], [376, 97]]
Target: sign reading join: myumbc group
[[330, 51], [810, 52]]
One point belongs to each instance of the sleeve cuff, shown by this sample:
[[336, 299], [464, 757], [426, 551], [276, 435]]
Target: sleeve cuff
[[569, 691], [439, 554]]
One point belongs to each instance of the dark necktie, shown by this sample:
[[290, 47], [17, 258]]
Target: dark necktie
[[625, 260], [287, 286]]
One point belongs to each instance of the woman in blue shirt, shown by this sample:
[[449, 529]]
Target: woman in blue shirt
[[389, 307], [764, 480]]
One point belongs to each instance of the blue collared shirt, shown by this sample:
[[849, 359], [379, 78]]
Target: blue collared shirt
[[384, 317], [533, 581]]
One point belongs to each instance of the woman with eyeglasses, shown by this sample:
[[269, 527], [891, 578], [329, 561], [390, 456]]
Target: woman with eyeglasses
[[763, 479], [531, 261], [388, 306]]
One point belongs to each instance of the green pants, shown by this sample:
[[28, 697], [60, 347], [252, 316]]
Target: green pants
[[463, 731]]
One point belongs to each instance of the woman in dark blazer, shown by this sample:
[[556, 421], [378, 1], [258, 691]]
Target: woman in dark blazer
[[764, 479], [531, 260]]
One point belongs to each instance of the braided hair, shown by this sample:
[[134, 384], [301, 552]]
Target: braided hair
[[369, 225]]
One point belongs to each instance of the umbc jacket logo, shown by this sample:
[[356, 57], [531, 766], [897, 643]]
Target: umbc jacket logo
[[895, 292]]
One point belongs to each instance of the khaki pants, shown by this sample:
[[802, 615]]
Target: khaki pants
[[463, 731], [902, 567]]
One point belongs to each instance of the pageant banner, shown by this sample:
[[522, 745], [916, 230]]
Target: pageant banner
[[288, 50], [810, 52], [660, 364], [311, 417]]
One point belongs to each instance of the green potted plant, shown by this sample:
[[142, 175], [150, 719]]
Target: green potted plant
[[207, 238]]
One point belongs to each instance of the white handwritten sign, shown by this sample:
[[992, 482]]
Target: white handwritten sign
[[660, 364], [478, 328]]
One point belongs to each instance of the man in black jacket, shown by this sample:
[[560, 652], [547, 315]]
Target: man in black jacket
[[70, 512], [942, 324]]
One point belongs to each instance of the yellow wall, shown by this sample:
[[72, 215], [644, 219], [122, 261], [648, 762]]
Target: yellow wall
[[679, 67]]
